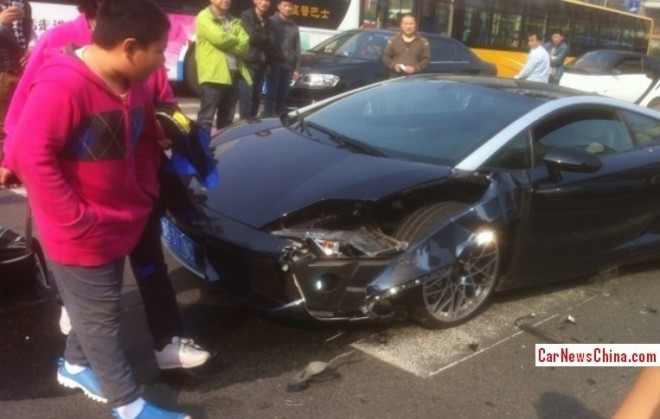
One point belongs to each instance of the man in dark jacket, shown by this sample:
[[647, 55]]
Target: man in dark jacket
[[262, 45], [285, 65], [407, 52]]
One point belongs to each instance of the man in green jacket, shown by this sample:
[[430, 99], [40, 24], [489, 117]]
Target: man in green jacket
[[222, 43]]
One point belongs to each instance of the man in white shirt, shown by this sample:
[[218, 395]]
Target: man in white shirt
[[537, 67]]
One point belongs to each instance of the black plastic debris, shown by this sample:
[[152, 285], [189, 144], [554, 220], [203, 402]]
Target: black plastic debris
[[318, 371], [22, 265], [535, 330], [565, 320]]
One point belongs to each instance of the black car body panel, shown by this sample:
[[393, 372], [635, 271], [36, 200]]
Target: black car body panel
[[309, 172], [301, 224]]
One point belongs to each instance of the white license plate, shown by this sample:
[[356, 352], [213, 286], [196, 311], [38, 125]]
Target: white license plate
[[182, 247]]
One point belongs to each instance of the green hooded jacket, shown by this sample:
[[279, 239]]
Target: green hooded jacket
[[211, 44]]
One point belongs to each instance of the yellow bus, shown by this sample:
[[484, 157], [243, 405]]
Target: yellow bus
[[496, 29]]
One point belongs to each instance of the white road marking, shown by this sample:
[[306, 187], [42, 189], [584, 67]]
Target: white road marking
[[425, 352]]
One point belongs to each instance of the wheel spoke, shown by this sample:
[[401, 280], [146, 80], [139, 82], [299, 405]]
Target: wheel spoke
[[461, 289]]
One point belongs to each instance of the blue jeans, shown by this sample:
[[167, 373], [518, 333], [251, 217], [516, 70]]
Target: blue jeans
[[250, 96], [217, 100], [277, 83]]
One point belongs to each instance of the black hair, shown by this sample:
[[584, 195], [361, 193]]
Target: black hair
[[558, 31], [89, 8], [118, 20], [407, 14], [534, 33]]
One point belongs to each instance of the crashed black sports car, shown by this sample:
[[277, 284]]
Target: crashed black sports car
[[425, 193]]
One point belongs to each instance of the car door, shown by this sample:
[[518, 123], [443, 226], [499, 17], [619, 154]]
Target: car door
[[573, 222], [627, 80]]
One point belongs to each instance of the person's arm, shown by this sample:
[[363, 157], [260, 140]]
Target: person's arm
[[35, 156], [643, 400], [425, 59], [388, 55], [39, 54], [206, 28], [148, 152], [533, 60], [242, 46], [562, 53]]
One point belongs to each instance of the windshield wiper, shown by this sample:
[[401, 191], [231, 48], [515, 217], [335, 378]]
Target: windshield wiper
[[345, 141], [302, 123]]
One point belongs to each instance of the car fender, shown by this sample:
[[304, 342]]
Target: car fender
[[498, 207]]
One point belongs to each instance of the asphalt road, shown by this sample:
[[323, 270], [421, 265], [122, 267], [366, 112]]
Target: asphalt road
[[483, 369]]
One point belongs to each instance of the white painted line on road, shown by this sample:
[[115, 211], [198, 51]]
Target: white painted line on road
[[453, 364], [425, 352]]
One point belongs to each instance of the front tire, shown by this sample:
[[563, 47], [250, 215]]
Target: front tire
[[455, 294]]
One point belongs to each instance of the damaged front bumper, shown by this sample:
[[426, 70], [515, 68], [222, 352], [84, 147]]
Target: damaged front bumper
[[341, 275]]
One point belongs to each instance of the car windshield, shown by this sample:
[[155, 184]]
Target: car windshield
[[364, 45], [427, 120], [593, 62]]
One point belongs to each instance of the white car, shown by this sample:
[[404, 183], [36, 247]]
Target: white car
[[625, 75]]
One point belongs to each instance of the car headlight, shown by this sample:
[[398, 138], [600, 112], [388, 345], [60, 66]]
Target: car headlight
[[318, 80], [346, 243]]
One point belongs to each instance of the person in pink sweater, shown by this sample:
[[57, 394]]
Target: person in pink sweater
[[88, 154], [77, 32], [147, 260]]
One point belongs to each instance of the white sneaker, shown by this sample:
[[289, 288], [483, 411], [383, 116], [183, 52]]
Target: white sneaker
[[181, 353], [65, 322]]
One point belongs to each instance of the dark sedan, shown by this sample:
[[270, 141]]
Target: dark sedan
[[353, 58], [426, 193]]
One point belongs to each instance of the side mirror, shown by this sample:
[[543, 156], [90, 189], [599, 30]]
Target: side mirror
[[569, 159]]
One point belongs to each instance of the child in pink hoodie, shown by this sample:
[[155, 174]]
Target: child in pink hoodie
[[147, 260], [88, 155]]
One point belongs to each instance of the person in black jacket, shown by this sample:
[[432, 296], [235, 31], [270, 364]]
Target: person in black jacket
[[284, 66], [262, 44]]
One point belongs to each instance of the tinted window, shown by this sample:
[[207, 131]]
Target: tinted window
[[596, 131], [594, 62], [644, 130], [515, 155], [426, 120], [443, 50], [630, 66], [365, 45]]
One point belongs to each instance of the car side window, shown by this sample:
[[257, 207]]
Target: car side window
[[630, 66], [515, 155], [644, 130], [443, 50], [596, 131]]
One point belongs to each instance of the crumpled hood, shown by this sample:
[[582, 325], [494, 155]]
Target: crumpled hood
[[273, 172]]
